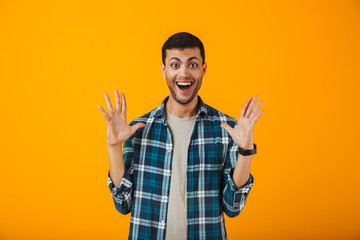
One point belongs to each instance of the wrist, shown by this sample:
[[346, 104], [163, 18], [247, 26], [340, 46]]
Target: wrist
[[246, 146], [113, 146], [249, 151]]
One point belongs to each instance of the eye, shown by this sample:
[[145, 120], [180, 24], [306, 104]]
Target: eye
[[175, 65], [192, 65]]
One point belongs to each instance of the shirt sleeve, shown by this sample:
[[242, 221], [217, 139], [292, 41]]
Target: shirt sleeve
[[123, 195], [233, 199]]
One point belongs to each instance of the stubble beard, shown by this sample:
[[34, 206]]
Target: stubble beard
[[185, 101]]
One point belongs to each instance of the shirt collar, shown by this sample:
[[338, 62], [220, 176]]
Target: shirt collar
[[160, 111]]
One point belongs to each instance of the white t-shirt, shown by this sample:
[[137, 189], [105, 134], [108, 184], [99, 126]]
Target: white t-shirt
[[181, 130]]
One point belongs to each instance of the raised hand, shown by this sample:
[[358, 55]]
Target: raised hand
[[242, 134], [118, 130]]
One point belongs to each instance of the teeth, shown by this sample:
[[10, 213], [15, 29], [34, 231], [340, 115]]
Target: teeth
[[184, 83]]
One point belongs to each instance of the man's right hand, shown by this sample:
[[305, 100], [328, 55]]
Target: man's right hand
[[118, 130]]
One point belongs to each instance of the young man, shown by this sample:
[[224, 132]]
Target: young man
[[184, 163]]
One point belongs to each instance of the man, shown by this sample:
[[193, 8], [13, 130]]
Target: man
[[184, 163]]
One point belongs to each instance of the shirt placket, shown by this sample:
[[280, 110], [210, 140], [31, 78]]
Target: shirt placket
[[167, 180], [190, 182]]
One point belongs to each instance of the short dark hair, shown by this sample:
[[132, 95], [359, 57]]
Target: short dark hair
[[181, 41]]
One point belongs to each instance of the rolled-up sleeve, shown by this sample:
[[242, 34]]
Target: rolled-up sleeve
[[123, 195], [234, 199]]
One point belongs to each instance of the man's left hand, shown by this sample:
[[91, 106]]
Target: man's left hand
[[242, 134]]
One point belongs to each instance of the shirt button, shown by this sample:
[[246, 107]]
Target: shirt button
[[164, 197], [114, 191], [162, 221], [169, 150]]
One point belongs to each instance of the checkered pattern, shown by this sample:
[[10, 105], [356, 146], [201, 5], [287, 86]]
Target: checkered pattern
[[144, 188]]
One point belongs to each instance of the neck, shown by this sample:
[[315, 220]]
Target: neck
[[182, 110]]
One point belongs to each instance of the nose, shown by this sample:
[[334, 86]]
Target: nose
[[184, 73]]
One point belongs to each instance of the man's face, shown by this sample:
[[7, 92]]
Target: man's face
[[183, 70]]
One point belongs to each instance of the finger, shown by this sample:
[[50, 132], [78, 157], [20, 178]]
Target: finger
[[106, 115], [111, 110], [123, 100], [252, 115], [243, 110], [250, 109], [136, 127], [117, 102], [227, 128], [256, 118]]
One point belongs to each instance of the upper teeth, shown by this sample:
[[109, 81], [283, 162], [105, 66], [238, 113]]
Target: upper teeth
[[184, 83]]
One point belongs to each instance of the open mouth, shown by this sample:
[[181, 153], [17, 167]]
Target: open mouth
[[184, 85]]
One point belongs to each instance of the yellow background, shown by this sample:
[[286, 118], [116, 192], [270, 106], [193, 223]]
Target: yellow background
[[58, 58]]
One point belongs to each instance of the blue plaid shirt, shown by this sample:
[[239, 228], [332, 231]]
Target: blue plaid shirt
[[144, 188]]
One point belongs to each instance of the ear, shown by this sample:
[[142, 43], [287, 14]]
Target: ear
[[163, 70], [204, 66]]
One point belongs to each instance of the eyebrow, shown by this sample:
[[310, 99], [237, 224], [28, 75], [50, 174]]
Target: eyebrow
[[187, 60]]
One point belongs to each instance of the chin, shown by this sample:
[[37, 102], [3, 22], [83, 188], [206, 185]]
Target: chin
[[184, 101]]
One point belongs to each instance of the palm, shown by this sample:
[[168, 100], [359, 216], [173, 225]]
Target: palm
[[118, 130], [242, 133]]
